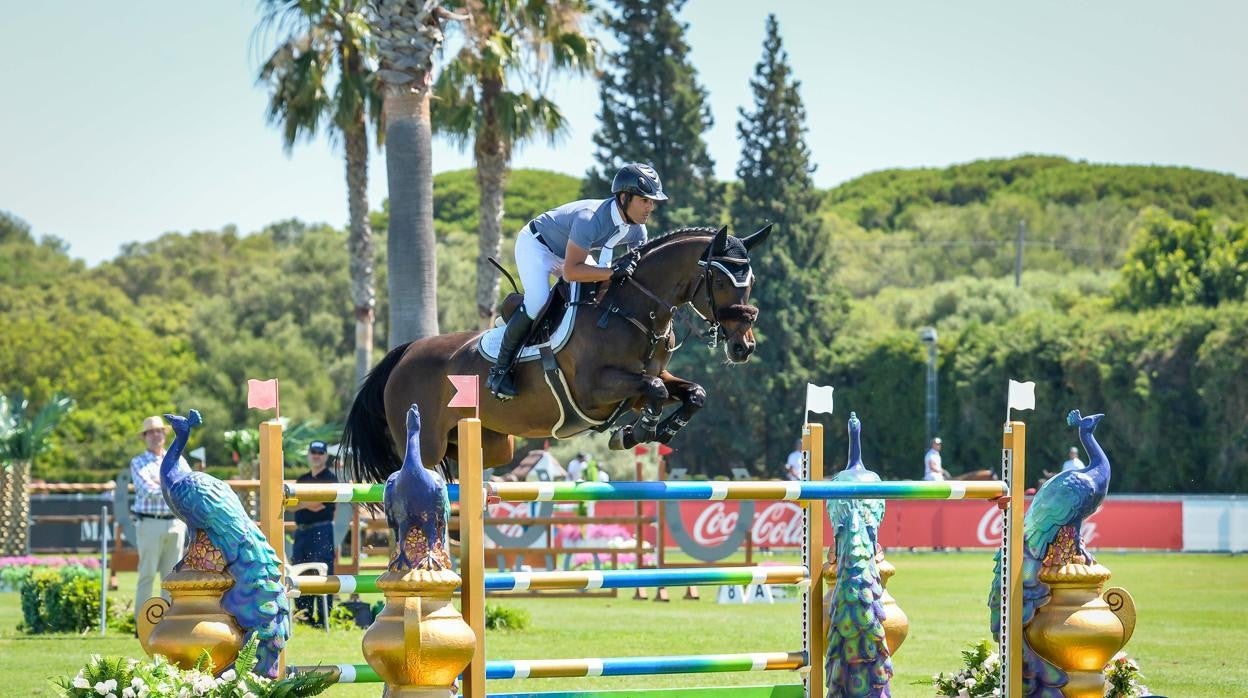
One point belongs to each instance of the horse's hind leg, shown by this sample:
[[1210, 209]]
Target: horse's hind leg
[[692, 398]]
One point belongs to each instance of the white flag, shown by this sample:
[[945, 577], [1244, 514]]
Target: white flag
[[818, 398], [1022, 395]]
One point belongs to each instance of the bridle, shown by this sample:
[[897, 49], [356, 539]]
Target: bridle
[[715, 328]]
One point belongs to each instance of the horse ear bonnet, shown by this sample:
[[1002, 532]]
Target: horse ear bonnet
[[734, 261]]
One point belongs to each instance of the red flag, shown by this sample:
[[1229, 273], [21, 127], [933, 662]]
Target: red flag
[[262, 395], [465, 391], [640, 450], [664, 450]]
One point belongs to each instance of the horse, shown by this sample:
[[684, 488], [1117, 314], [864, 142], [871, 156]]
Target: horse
[[614, 361]]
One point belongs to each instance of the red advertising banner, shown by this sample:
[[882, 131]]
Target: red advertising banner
[[1120, 523]]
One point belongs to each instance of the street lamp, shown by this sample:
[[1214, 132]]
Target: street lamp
[[927, 335]]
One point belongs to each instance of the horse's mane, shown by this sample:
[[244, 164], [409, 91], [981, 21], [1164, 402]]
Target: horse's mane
[[674, 236]]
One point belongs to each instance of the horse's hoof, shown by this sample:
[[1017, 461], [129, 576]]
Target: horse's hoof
[[616, 443]]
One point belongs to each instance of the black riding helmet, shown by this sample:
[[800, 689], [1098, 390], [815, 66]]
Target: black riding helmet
[[640, 179]]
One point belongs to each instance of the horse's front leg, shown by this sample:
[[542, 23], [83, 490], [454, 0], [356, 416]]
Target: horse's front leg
[[692, 398], [653, 395]]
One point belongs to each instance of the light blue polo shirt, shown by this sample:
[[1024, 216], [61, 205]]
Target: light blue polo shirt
[[593, 224]]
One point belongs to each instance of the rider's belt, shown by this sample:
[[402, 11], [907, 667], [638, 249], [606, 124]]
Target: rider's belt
[[537, 235]]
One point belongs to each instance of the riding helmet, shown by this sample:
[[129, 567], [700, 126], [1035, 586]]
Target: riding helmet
[[640, 179]]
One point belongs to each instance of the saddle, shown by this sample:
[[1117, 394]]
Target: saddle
[[552, 328], [551, 331]]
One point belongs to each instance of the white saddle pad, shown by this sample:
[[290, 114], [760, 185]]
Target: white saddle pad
[[492, 340]]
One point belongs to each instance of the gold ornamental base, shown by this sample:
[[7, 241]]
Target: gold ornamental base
[[193, 622], [419, 643], [1080, 629]]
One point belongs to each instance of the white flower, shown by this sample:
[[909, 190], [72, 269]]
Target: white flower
[[111, 695], [970, 683], [106, 687], [81, 682], [127, 693], [996, 691], [229, 675]]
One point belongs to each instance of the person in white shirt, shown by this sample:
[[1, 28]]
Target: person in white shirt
[[576, 467], [1072, 460], [793, 466], [932, 469]]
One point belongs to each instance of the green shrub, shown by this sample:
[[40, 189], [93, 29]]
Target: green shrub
[[499, 617], [60, 600]]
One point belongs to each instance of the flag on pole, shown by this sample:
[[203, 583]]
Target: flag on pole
[[818, 399], [262, 395], [665, 450], [1022, 395], [465, 392]]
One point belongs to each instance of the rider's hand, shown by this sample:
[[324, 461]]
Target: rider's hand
[[624, 268]]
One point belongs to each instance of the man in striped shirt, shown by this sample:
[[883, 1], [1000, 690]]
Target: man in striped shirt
[[160, 534]]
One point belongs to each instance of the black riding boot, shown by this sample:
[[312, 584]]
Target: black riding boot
[[500, 382]]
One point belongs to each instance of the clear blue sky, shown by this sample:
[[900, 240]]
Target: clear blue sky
[[121, 121]]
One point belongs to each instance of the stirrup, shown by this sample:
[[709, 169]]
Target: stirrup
[[500, 384]]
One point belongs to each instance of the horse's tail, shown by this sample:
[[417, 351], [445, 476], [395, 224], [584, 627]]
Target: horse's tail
[[366, 439]]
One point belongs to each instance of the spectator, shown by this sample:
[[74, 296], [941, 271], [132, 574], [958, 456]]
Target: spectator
[[1072, 460], [793, 466], [932, 469], [314, 528], [577, 466], [161, 536]]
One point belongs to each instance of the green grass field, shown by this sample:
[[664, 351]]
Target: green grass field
[[1192, 637]]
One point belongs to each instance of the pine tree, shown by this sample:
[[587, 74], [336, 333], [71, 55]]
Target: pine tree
[[799, 307], [654, 111]]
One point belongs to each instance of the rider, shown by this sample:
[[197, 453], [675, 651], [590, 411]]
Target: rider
[[560, 242]]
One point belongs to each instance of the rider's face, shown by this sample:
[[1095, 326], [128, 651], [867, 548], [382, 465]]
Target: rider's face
[[639, 209]]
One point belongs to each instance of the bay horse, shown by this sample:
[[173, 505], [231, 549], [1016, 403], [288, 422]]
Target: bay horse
[[615, 360]]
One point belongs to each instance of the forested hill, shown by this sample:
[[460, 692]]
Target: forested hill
[[888, 199], [1132, 302]]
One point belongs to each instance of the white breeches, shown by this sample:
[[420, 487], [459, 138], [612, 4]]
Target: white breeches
[[536, 264]]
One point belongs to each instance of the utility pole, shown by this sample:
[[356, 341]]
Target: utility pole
[[927, 335], [1018, 253]]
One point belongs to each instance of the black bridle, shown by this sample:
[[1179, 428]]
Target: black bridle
[[715, 328]]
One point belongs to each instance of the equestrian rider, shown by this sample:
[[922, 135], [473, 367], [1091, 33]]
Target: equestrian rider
[[561, 242]]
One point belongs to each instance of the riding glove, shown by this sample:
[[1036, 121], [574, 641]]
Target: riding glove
[[623, 268]]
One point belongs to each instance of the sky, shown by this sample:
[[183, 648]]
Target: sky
[[122, 121]]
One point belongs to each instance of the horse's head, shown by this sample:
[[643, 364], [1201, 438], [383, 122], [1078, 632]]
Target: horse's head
[[723, 293]]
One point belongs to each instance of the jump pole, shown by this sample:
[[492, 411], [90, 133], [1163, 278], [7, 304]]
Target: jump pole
[[472, 550], [1013, 472], [272, 500], [814, 644]]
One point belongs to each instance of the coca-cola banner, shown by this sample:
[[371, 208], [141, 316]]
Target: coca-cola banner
[[1120, 523]]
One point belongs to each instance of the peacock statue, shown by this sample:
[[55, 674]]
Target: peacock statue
[[257, 600], [418, 509], [1052, 534], [858, 663]]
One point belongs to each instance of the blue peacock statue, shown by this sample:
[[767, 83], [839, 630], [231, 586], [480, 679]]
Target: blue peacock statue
[[1052, 535], [257, 600], [417, 509], [858, 663]]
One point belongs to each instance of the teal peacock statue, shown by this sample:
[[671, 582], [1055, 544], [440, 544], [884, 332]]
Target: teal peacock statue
[[1058, 510], [257, 600], [858, 662]]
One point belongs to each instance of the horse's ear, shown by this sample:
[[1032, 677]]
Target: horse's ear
[[757, 238], [719, 245]]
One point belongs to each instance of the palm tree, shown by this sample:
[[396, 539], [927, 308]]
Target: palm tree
[[507, 41], [408, 32], [22, 439], [327, 40]]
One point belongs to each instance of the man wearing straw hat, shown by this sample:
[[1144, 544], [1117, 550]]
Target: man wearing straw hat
[[160, 534]]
